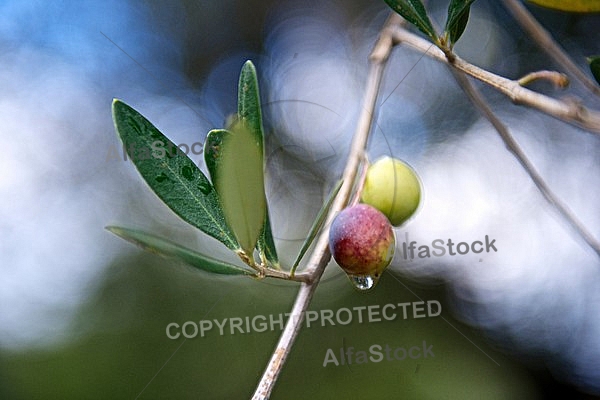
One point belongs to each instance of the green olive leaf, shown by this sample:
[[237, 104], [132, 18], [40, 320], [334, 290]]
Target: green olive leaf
[[266, 244], [212, 151], [237, 174], [414, 12], [249, 111], [171, 174], [167, 248], [212, 157], [594, 62], [458, 16]]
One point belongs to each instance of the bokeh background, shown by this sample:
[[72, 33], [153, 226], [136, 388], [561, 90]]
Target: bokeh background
[[83, 314]]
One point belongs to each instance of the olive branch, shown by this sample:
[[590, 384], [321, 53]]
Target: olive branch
[[230, 204]]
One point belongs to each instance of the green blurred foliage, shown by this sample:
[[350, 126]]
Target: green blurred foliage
[[119, 348]]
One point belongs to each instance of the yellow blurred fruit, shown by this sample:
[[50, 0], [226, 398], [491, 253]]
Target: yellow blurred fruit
[[570, 5], [392, 187]]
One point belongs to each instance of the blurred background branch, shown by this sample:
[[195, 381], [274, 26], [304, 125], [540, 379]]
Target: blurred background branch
[[572, 112], [546, 43]]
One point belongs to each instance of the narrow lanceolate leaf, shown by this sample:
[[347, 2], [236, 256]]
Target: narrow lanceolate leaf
[[414, 12], [212, 151], [458, 16], [595, 67], [249, 111], [266, 244], [249, 102], [212, 157], [239, 180], [172, 175], [317, 224], [167, 248]]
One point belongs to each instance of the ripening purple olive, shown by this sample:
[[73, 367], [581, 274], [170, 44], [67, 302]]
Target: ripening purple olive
[[362, 242]]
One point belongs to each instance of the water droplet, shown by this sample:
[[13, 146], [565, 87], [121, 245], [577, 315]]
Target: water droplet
[[363, 282], [187, 173]]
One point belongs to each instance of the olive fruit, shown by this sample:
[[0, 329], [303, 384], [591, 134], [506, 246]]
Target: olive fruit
[[392, 187], [362, 242]]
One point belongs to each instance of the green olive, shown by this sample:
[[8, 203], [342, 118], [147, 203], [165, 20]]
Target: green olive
[[392, 187]]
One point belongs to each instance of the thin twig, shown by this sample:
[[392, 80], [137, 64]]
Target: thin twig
[[265, 272], [571, 112], [547, 43], [512, 145], [558, 79], [321, 255]]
